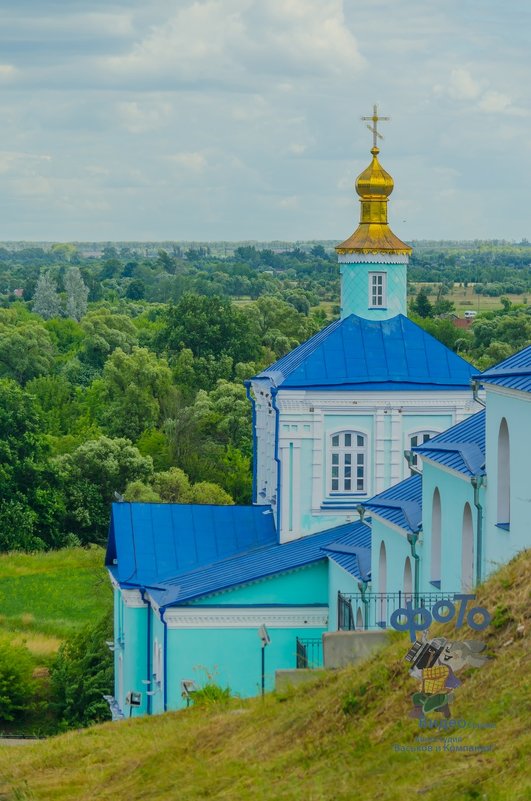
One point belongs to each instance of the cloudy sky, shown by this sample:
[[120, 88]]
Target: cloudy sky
[[240, 119]]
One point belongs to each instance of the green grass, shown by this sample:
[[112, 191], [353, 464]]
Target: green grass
[[465, 298], [331, 740], [44, 597]]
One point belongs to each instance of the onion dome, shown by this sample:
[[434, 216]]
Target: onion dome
[[373, 235]]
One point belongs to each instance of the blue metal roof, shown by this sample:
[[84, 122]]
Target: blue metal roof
[[368, 355], [352, 551], [461, 447], [257, 564], [152, 542], [513, 373], [401, 504]]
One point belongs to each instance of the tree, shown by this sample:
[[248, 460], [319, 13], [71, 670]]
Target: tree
[[208, 326], [82, 674], [205, 492], [26, 351], [104, 332], [91, 475], [136, 289], [132, 393], [17, 685], [76, 294], [140, 492], [422, 304], [173, 485], [46, 301], [31, 506]]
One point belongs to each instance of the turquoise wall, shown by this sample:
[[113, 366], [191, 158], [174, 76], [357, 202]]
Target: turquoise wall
[[231, 657], [307, 585], [502, 545], [131, 648], [339, 580], [355, 290]]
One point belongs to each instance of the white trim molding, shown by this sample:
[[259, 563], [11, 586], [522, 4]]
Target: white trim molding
[[197, 617], [133, 599], [372, 258]]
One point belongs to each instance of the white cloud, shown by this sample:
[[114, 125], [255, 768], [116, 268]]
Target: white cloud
[[462, 85], [192, 161], [7, 71]]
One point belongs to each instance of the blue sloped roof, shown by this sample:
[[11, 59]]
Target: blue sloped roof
[[155, 541], [401, 504], [513, 373], [461, 447], [352, 551], [367, 354], [257, 564]]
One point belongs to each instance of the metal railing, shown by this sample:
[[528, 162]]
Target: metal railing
[[309, 652], [374, 610]]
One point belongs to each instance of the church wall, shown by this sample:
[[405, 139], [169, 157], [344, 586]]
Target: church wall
[[397, 550], [515, 407], [230, 658], [339, 580], [131, 649], [309, 418], [455, 493], [307, 585], [355, 290]]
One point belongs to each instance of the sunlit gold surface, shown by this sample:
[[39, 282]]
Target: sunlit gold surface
[[374, 185]]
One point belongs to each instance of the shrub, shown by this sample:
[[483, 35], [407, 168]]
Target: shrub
[[17, 686]]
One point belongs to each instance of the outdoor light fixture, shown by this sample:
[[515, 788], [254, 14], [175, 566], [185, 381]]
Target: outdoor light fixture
[[188, 687]]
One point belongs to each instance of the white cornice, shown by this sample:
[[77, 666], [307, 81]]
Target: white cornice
[[372, 258], [444, 468], [508, 392], [197, 617], [133, 599]]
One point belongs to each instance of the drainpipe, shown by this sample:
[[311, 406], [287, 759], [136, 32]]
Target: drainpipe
[[274, 391], [362, 586], [165, 676], [475, 393], [477, 482], [409, 459], [412, 538]]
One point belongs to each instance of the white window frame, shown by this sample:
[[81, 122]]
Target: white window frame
[[423, 432], [343, 459], [377, 290]]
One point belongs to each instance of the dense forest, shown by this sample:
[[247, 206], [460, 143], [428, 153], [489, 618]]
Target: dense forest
[[121, 371]]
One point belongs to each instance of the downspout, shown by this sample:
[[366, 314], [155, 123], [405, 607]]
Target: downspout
[[149, 651], [477, 482], [165, 677], [409, 459], [362, 586], [475, 393], [274, 391], [255, 455], [412, 538]]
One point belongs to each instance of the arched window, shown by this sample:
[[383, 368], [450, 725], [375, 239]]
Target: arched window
[[435, 567], [467, 550], [348, 462], [416, 439], [504, 474], [408, 579]]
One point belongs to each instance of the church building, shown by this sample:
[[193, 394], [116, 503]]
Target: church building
[[193, 585]]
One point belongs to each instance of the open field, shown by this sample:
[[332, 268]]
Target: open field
[[44, 597], [465, 298], [334, 739]]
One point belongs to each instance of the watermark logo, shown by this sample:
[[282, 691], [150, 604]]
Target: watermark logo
[[434, 662]]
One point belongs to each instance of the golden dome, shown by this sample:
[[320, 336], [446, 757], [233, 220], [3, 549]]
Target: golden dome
[[374, 181], [373, 235]]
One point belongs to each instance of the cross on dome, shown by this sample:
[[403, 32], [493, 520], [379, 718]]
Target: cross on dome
[[375, 119]]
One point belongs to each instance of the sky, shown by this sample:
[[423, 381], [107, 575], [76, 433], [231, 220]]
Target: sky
[[240, 119]]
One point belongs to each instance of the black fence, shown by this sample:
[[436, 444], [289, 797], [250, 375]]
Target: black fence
[[309, 652], [374, 610]]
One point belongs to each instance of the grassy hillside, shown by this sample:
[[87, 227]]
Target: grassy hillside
[[332, 740], [46, 596]]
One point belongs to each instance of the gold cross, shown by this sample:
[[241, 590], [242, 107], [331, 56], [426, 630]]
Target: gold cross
[[374, 127]]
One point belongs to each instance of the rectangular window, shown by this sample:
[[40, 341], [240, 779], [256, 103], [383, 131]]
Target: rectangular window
[[377, 290], [348, 462]]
